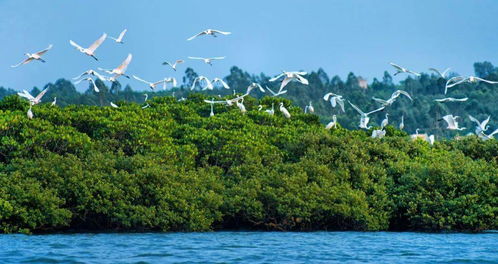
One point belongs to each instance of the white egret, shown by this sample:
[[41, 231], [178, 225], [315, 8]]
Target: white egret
[[481, 126], [171, 80], [378, 133], [335, 100], [309, 108], [120, 70], [254, 86], [400, 69], [202, 79], [119, 39], [332, 124], [211, 102], [212, 32], [90, 51], [207, 60], [152, 85], [30, 112], [289, 76], [385, 122], [223, 83], [34, 56], [364, 116], [441, 74], [402, 123], [54, 102], [460, 79], [173, 65], [33, 100], [452, 123], [114, 105], [393, 98], [487, 137], [284, 111], [91, 81], [93, 73], [240, 105], [272, 110]]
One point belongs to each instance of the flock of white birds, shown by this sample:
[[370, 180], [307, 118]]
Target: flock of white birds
[[286, 77]]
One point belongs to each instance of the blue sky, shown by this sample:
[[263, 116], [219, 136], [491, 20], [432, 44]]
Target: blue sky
[[362, 36]]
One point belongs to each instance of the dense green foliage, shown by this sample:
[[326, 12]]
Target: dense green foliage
[[172, 167]]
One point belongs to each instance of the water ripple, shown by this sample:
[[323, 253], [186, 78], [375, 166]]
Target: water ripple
[[251, 247]]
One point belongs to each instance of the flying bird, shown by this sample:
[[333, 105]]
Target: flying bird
[[288, 77], [364, 116], [91, 81], [481, 126], [393, 98], [212, 32], [173, 65], [451, 99], [33, 100], [254, 86], [119, 39], [441, 74], [207, 60], [171, 80], [452, 123], [34, 56], [152, 85], [335, 100], [202, 79], [93, 73], [90, 51], [400, 69], [223, 83], [460, 79], [120, 70]]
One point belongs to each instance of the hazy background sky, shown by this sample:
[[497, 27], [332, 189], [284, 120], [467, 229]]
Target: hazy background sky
[[362, 36]]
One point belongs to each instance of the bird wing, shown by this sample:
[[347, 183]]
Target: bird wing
[[74, 44], [381, 101], [196, 58], [285, 81], [437, 71], [125, 63], [276, 77], [271, 91], [121, 35], [223, 83], [442, 100], [221, 32], [95, 88], [26, 95], [302, 79], [196, 35], [114, 105], [140, 79], [39, 53], [399, 68], [22, 62], [445, 72], [41, 94], [217, 58], [101, 77], [97, 43], [179, 61], [493, 133], [167, 63], [326, 97], [483, 80], [356, 108], [405, 93], [376, 110], [194, 82], [450, 120], [485, 122], [260, 88], [341, 103]]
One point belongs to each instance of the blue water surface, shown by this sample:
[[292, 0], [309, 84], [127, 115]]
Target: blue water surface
[[251, 247]]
